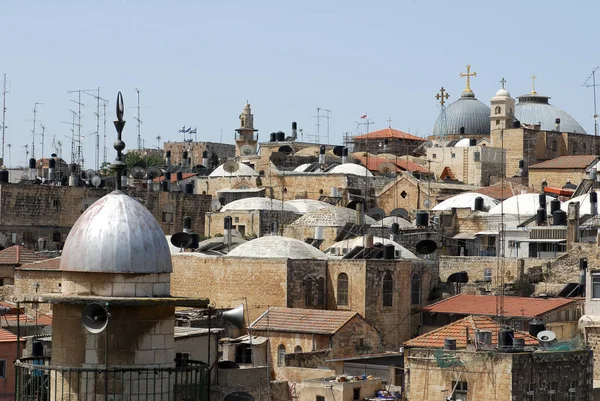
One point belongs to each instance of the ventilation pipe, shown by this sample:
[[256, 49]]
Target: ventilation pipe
[[168, 158], [294, 130], [594, 173], [274, 227], [205, 158], [359, 214], [227, 224], [166, 184], [51, 167], [184, 159], [557, 125], [179, 175], [322, 154], [542, 200], [344, 155], [583, 265], [187, 224], [593, 203], [32, 172]]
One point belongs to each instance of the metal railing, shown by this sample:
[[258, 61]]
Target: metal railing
[[37, 380]]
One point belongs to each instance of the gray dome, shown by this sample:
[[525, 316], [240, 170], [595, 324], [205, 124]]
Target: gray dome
[[116, 234], [466, 112], [274, 246], [535, 109]]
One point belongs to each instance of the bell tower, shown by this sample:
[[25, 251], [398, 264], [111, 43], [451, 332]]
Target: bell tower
[[245, 139], [502, 109]]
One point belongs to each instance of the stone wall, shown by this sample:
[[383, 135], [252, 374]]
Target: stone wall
[[223, 150], [403, 193], [43, 281], [555, 177], [254, 381], [249, 222], [308, 359], [475, 266]]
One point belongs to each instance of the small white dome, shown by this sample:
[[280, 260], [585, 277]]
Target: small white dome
[[116, 234], [463, 143], [333, 216], [243, 171], [301, 168], [523, 204], [256, 203], [307, 205], [359, 241], [584, 204], [389, 220], [502, 93], [274, 246], [351, 168], [466, 200]]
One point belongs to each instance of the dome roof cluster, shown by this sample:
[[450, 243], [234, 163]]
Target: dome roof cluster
[[274, 246], [333, 216], [523, 204], [467, 112], [351, 168], [584, 204], [307, 205], [535, 109], [257, 203], [116, 234], [466, 200], [389, 220], [243, 171]]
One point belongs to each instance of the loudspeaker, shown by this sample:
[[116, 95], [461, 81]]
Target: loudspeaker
[[235, 316], [95, 318]]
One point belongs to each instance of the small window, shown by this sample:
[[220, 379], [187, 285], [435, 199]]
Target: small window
[[236, 219], [573, 391], [167, 217], [453, 155], [554, 145], [434, 156], [356, 394], [321, 292], [530, 392], [308, 292], [342, 289], [596, 287], [388, 289], [320, 398], [497, 122], [415, 289], [477, 156], [498, 110], [281, 355], [298, 349], [2, 368], [460, 390], [552, 391]]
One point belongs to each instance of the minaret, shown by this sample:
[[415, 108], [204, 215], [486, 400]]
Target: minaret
[[502, 109], [245, 140]]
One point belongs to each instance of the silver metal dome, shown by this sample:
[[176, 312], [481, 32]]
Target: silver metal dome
[[535, 109], [116, 234], [467, 112]]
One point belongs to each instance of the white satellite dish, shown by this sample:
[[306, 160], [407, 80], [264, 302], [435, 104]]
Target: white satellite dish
[[215, 205], [427, 203], [546, 336], [387, 168], [96, 181], [247, 150], [231, 166]]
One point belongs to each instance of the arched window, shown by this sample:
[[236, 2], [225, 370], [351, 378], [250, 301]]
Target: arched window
[[498, 110], [281, 355], [415, 289], [321, 292], [388, 289], [342, 289], [298, 349], [308, 291]]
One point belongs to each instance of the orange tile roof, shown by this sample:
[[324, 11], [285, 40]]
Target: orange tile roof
[[501, 192], [174, 177], [17, 255], [372, 163], [297, 320], [46, 264], [567, 162], [458, 331], [11, 320], [8, 337], [387, 133], [469, 304]]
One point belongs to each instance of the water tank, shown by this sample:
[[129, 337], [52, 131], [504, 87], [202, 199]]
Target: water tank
[[542, 200], [536, 326], [540, 217], [37, 348], [554, 206], [189, 188], [345, 151], [559, 218], [593, 197], [505, 339], [422, 219], [472, 142], [165, 186], [395, 228], [32, 163], [179, 176], [3, 175], [389, 251], [461, 130], [168, 176], [479, 204], [51, 163], [185, 155], [450, 343], [273, 137], [281, 136], [187, 223], [519, 344], [483, 337], [368, 240], [516, 124], [322, 150]]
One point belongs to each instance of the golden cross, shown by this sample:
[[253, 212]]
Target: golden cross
[[442, 96], [533, 92], [468, 75]]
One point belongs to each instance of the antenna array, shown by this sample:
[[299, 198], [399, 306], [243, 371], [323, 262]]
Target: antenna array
[[593, 85]]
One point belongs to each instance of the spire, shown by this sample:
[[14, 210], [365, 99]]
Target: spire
[[533, 92], [119, 145], [469, 74]]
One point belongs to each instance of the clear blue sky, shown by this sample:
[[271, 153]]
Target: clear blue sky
[[196, 62]]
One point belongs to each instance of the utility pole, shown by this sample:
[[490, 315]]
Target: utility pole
[[593, 85], [4, 92], [43, 133], [33, 130], [139, 122], [104, 158], [327, 116]]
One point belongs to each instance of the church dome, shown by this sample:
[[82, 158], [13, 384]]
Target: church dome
[[242, 171], [274, 246], [351, 168], [467, 112], [535, 109], [502, 93], [116, 234]]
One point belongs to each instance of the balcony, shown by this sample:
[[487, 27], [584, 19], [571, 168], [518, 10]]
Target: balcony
[[37, 380]]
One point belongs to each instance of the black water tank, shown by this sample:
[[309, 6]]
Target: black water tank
[[179, 176], [540, 217], [168, 154], [505, 339], [51, 163], [345, 151], [516, 124], [185, 155], [280, 136], [37, 348], [535, 327], [3, 175], [542, 200], [32, 163], [559, 218], [593, 197], [187, 223], [205, 154], [294, 125], [395, 228], [168, 176], [472, 142], [165, 186], [322, 150], [554, 206], [227, 223], [195, 240], [389, 251], [479, 204], [189, 188], [273, 137], [422, 219], [461, 130]]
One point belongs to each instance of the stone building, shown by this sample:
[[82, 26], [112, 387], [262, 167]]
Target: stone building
[[195, 150], [13, 257], [296, 330], [473, 368], [561, 171], [387, 140], [9, 353]]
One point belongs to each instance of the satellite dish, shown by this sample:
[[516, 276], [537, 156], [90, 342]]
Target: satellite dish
[[96, 181], [138, 172], [247, 150], [376, 213], [231, 166], [338, 150], [277, 157], [427, 203], [387, 168], [95, 318], [399, 212], [458, 277], [181, 240], [286, 149], [546, 336], [426, 247], [153, 172], [239, 396], [25, 176], [141, 163], [215, 205], [89, 174]]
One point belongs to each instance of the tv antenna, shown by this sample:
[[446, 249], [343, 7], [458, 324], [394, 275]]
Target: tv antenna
[[73, 124], [318, 125], [139, 122], [79, 151], [328, 117], [104, 157], [9, 158], [57, 145], [43, 134], [4, 92], [158, 142], [26, 153], [96, 96], [35, 105], [593, 85]]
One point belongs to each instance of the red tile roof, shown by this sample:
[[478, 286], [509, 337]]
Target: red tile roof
[[468, 304], [298, 320], [458, 331], [46, 264], [373, 163], [11, 320], [8, 337], [502, 192], [388, 133], [567, 162], [17, 255], [174, 177]]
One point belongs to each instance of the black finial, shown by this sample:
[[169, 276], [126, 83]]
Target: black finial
[[119, 145]]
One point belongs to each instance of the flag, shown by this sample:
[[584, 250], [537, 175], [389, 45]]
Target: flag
[[193, 131], [182, 130], [188, 130], [363, 116]]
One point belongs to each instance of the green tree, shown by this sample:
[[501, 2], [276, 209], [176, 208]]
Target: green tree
[[131, 158]]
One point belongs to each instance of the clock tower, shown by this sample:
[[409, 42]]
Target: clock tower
[[245, 139]]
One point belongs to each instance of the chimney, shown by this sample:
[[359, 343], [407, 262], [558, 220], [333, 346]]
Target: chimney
[[184, 159], [344, 155], [205, 158], [572, 225], [168, 158], [227, 230], [167, 182], [32, 172], [294, 131], [359, 214], [557, 125], [187, 224], [322, 155], [51, 167]]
